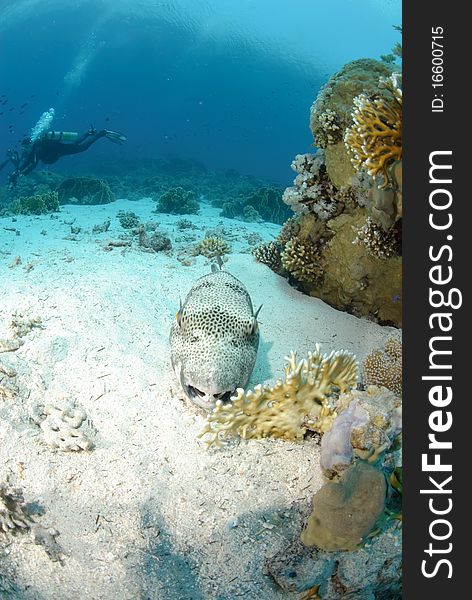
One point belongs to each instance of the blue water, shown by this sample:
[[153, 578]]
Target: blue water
[[227, 83]]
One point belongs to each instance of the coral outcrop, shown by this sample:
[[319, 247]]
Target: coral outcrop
[[84, 190], [263, 204], [37, 204], [178, 201], [128, 219], [301, 401], [330, 114], [383, 366], [345, 512]]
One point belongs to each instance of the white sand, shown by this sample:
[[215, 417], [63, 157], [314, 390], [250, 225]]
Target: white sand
[[149, 513]]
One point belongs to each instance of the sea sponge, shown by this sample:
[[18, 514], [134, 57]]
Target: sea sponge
[[178, 201], [299, 402], [302, 260], [61, 428], [345, 512], [384, 366], [378, 242], [13, 517], [84, 190], [37, 204], [375, 138], [212, 247], [269, 254]]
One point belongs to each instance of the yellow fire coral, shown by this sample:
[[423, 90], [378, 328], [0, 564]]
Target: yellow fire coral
[[300, 402], [375, 138]]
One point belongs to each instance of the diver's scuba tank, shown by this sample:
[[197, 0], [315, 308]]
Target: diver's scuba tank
[[61, 136]]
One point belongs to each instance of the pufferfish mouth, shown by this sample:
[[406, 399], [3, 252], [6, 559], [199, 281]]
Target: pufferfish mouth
[[193, 393]]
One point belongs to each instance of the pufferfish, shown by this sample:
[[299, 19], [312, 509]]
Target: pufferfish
[[214, 339]]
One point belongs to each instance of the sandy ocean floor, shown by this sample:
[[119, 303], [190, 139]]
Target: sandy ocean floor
[[148, 513]]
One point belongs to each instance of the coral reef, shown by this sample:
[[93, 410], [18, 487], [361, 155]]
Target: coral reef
[[84, 190], [178, 201], [302, 260], [61, 428], [269, 254], [37, 204], [157, 242], [264, 203], [13, 517], [128, 220], [374, 140], [330, 114], [383, 366], [378, 242], [325, 262], [345, 512], [299, 402], [212, 247]]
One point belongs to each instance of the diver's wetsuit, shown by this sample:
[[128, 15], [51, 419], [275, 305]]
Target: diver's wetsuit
[[49, 151]]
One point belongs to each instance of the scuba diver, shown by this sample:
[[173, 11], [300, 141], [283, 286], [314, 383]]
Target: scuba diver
[[51, 146]]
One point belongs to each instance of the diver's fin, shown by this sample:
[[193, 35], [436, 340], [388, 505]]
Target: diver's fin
[[115, 136]]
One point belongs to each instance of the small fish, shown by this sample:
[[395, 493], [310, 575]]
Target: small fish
[[107, 119], [12, 108], [24, 104]]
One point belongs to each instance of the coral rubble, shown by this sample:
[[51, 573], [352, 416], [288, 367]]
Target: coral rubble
[[128, 219]]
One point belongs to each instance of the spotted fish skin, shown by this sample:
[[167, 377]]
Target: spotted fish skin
[[214, 339]]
